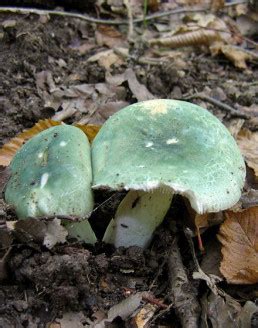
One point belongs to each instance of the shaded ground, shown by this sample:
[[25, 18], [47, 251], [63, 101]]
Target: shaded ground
[[42, 285]]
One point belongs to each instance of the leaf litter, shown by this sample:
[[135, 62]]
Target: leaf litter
[[89, 73]]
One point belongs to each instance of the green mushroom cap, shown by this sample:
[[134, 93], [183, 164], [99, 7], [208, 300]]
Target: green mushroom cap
[[51, 175], [173, 145]]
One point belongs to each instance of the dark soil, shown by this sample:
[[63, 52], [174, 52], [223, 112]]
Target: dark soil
[[41, 285]]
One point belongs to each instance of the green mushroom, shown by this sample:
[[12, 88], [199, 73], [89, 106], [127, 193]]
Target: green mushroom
[[51, 175], [158, 148]]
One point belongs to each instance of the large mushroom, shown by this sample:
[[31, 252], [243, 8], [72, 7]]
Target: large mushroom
[[51, 175], [158, 148]]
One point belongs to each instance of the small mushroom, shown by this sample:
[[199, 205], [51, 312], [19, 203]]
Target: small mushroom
[[51, 175], [158, 148]]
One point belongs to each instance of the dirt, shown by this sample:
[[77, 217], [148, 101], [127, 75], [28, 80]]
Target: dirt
[[42, 285]]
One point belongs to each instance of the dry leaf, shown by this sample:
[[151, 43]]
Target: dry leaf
[[123, 309], [71, 320], [236, 55], [247, 142], [90, 130], [55, 234], [144, 316], [239, 237], [139, 90], [107, 35], [220, 312], [9, 149], [48, 233], [106, 59], [217, 5]]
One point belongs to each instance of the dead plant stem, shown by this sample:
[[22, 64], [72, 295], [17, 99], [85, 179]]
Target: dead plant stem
[[219, 104], [21, 10]]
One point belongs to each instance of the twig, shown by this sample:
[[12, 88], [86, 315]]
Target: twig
[[128, 6], [140, 60], [160, 269], [211, 281], [161, 313], [219, 104], [20, 10], [183, 296]]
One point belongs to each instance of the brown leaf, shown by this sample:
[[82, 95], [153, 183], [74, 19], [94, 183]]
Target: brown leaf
[[220, 311], [109, 36], [106, 59], [90, 130], [237, 56], [239, 237], [247, 142], [139, 90], [9, 149]]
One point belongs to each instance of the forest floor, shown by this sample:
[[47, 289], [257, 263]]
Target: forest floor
[[72, 70]]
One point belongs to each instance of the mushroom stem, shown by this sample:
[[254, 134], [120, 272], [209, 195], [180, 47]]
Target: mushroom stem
[[137, 216]]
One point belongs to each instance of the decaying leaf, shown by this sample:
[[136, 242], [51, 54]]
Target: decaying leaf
[[198, 29], [139, 90], [46, 232], [9, 149], [123, 309], [200, 222], [239, 237], [55, 234], [219, 311], [144, 315], [106, 59], [247, 142], [236, 55], [245, 317], [107, 35], [70, 320], [90, 130]]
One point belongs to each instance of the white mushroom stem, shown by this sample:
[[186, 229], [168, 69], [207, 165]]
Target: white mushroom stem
[[137, 216]]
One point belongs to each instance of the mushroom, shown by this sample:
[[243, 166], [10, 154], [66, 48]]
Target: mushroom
[[51, 175], [158, 148]]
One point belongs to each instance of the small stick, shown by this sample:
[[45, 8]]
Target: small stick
[[20, 10], [183, 296], [219, 104], [127, 4]]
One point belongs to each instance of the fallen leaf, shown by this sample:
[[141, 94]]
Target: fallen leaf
[[55, 234], [212, 258], [236, 55], [48, 233], [9, 149], [239, 238], [139, 90], [107, 35], [245, 317], [72, 320], [30, 230], [219, 312], [247, 142], [90, 130], [143, 317], [234, 126], [106, 59], [123, 309]]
